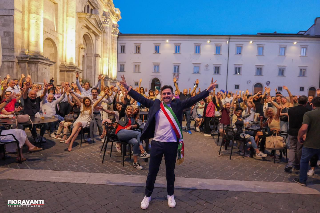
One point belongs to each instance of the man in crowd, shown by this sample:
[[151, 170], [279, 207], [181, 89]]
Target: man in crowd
[[295, 121], [12, 87], [311, 142], [309, 104], [10, 108], [86, 90], [32, 106], [64, 106], [184, 96]]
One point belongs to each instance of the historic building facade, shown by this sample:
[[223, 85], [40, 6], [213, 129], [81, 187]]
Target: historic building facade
[[237, 62], [56, 38]]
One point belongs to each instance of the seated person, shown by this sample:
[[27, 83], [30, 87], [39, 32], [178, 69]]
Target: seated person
[[69, 119], [19, 134], [125, 132], [239, 126], [10, 108], [49, 110]]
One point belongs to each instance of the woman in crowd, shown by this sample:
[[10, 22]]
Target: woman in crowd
[[208, 114], [84, 118], [151, 95], [126, 131], [238, 124]]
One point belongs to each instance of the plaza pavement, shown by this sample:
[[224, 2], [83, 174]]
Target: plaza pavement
[[205, 182]]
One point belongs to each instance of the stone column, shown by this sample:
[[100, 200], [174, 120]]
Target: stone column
[[105, 44], [71, 32], [36, 27], [113, 68]]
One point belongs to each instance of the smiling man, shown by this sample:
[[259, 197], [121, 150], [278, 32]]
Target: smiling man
[[164, 126]]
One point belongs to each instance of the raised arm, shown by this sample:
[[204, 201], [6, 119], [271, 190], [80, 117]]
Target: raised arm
[[136, 96], [100, 99], [290, 94], [195, 87], [176, 85], [78, 83], [75, 98], [44, 91], [69, 101]]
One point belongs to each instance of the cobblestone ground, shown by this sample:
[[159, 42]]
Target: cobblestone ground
[[201, 161], [68, 197]]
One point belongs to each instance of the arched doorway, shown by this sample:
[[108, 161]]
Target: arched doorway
[[50, 51], [312, 91], [87, 60], [257, 88], [155, 84]]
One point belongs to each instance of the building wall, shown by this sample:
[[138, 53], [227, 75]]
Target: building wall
[[248, 60], [46, 38]]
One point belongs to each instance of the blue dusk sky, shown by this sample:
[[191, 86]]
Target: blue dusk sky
[[217, 17]]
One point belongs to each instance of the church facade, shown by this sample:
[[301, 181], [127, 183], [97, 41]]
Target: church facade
[[57, 38]]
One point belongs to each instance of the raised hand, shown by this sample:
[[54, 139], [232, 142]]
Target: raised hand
[[197, 81], [8, 76], [123, 82], [29, 76], [23, 76], [77, 75], [284, 87], [140, 80], [174, 80], [212, 85]]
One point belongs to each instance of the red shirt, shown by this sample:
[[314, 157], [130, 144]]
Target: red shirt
[[10, 106], [121, 127]]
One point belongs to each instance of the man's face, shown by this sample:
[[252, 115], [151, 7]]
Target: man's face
[[86, 86], [50, 98], [185, 91], [227, 106], [16, 82], [119, 107], [129, 111], [229, 95], [94, 93], [7, 95], [32, 94], [278, 99], [166, 96], [238, 113], [310, 98], [283, 100], [12, 83]]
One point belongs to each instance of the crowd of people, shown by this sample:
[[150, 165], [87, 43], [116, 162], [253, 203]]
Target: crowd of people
[[77, 105]]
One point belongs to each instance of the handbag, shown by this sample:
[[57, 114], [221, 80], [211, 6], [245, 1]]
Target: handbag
[[275, 142], [69, 118]]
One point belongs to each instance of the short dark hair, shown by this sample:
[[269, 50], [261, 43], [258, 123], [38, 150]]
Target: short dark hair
[[302, 100], [316, 102], [239, 108], [166, 87], [94, 89]]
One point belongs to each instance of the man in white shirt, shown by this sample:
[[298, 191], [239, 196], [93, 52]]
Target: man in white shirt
[[86, 90], [12, 87]]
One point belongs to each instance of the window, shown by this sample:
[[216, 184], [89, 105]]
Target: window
[[176, 68], [217, 86], [156, 48], [216, 70], [137, 48], [259, 71], [280, 89], [260, 50], [136, 83], [301, 89], [177, 48], [237, 70], [282, 51], [239, 50], [302, 72], [156, 68], [136, 68], [197, 49], [121, 68], [122, 48], [196, 69], [218, 49], [303, 51], [237, 86], [281, 71]]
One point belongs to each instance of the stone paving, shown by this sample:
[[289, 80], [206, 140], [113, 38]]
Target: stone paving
[[201, 161], [69, 197]]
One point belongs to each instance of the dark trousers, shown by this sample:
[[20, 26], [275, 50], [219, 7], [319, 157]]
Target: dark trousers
[[50, 126], [307, 154], [207, 129], [314, 160], [158, 149], [96, 121], [187, 114]]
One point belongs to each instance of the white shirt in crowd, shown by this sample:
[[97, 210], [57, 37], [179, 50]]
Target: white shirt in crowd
[[227, 100], [49, 109], [163, 131]]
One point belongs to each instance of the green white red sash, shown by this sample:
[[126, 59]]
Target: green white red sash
[[172, 118]]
